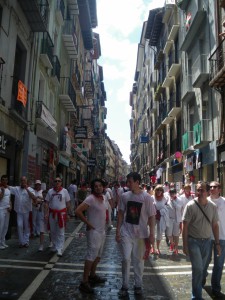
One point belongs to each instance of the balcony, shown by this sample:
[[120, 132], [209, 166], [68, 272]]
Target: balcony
[[158, 92], [76, 78], [67, 94], [187, 142], [70, 38], [217, 67], [44, 116], [46, 54], [37, 13], [187, 88], [200, 71], [173, 109], [202, 133], [55, 73], [173, 32], [88, 85], [60, 10], [190, 35], [168, 46]]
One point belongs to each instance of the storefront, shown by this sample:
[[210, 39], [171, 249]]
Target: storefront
[[10, 154]]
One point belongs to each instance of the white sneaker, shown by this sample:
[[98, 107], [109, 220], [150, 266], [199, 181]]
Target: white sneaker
[[41, 247], [2, 247], [59, 253], [50, 245]]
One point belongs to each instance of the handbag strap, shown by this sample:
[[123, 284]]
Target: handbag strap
[[202, 211]]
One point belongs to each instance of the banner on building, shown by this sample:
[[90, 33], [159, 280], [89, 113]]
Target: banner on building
[[22, 93]]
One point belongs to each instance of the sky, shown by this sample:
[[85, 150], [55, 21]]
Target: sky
[[120, 25]]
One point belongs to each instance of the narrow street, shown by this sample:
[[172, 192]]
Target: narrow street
[[29, 274]]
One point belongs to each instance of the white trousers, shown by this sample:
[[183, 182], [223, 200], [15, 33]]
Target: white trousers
[[4, 224], [36, 220], [23, 228], [132, 249], [57, 233]]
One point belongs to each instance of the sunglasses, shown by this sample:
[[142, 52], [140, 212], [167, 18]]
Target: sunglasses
[[58, 180]]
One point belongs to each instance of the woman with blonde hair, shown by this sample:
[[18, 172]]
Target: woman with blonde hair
[[160, 202]]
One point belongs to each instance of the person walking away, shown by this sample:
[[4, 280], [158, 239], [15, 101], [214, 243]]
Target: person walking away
[[95, 207], [36, 213], [135, 212], [72, 189], [43, 209], [175, 207], [200, 219], [5, 208], [162, 216], [58, 204], [24, 197], [217, 271], [109, 203]]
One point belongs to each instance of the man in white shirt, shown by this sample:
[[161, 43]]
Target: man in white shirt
[[58, 202], [215, 190], [24, 196], [136, 212], [72, 189], [5, 208]]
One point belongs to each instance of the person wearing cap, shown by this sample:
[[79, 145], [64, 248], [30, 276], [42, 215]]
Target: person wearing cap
[[36, 212]]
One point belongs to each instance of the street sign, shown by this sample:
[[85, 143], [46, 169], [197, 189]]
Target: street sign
[[144, 139]]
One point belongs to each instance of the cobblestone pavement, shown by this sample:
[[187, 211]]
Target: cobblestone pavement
[[28, 274]]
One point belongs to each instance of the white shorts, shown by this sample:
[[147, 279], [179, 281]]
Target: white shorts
[[173, 228], [95, 244]]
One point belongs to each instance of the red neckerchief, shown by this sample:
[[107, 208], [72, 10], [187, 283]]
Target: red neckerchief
[[58, 189], [99, 196]]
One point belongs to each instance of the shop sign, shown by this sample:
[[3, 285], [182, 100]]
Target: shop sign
[[64, 161], [3, 143], [80, 132], [91, 162]]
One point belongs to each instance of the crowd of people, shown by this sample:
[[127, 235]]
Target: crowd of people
[[143, 216]]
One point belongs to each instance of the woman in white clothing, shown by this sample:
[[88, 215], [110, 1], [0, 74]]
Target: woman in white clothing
[[175, 207], [161, 215]]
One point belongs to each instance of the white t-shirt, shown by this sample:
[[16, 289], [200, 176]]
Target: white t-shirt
[[23, 202], [96, 212], [175, 208], [57, 200], [72, 189], [5, 201], [220, 203], [137, 209], [185, 199]]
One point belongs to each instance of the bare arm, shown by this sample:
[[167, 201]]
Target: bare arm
[[120, 217], [151, 223], [79, 213], [215, 230], [185, 237]]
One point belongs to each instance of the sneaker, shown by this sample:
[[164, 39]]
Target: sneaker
[[217, 295], [4, 244], [96, 279], [41, 247], [59, 253], [85, 287], [2, 247], [123, 292], [137, 290], [50, 245]]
